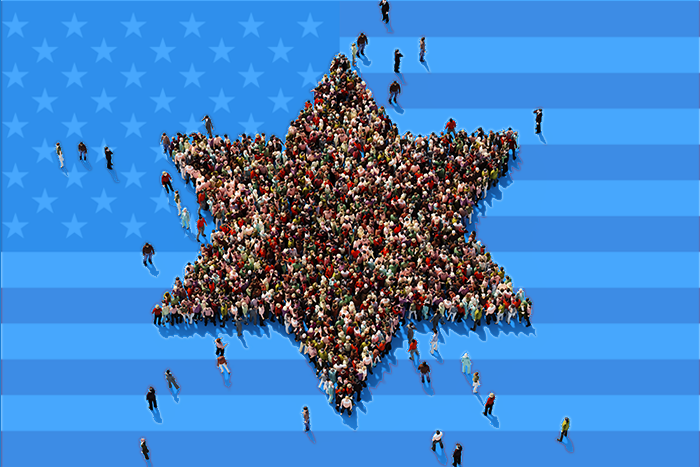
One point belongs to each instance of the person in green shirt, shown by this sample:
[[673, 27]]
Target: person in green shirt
[[564, 429]]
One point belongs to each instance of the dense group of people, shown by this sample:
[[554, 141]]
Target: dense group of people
[[344, 232]]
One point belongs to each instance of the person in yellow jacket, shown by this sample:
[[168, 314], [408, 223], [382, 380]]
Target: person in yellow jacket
[[564, 429]]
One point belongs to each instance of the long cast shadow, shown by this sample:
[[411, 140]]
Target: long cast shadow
[[425, 65], [157, 416]]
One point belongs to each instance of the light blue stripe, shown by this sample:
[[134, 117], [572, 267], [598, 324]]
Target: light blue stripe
[[549, 341], [527, 269], [399, 413], [534, 55], [565, 126], [597, 198]]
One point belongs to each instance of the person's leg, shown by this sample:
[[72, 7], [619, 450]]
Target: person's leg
[[150, 405], [433, 446]]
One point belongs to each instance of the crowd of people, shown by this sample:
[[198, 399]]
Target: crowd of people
[[344, 232]]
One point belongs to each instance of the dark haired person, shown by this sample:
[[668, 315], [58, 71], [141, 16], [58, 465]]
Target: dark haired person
[[397, 60], [108, 156], [151, 398], [148, 253], [209, 126], [538, 120], [384, 5], [82, 150], [564, 429]]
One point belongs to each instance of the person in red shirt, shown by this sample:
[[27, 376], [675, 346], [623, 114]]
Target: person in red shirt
[[201, 224], [450, 127], [413, 349], [165, 180], [157, 315], [488, 407]]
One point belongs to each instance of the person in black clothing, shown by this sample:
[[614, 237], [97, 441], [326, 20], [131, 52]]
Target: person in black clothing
[[148, 253], [208, 125], [144, 448], [362, 42], [397, 60], [151, 398], [538, 120], [457, 456], [108, 156], [394, 91], [171, 380], [384, 4], [82, 150]]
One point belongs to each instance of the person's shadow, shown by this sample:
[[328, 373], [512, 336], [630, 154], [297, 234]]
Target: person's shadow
[[397, 108], [227, 378], [156, 416], [401, 78], [540, 135], [567, 443], [87, 165], [494, 421], [113, 174], [242, 339], [152, 269], [438, 357], [350, 421], [365, 61], [148, 462], [425, 65], [389, 29], [310, 435], [440, 454], [176, 395], [428, 388]]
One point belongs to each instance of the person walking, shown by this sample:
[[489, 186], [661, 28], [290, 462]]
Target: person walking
[[201, 224], [457, 456], [185, 218], [59, 153], [466, 364], [488, 407], [564, 429], [82, 151], [165, 141], [307, 418], [384, 5], [171, 380], [148, 253], [222, 363], [166, 181], [144, 449], [538, 121], [476, 380], [410, 330], [151, 398], [424, 371], [178, 202], [108, 156], [220, 347], [208, 125], [394, 91], [413, 349], [397, 60], [362, 42], [421, 44], [157, 315], [353, 49], [437, 439], [434, 342]]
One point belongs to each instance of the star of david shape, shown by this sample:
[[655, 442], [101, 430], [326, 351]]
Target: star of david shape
[[347, 271]]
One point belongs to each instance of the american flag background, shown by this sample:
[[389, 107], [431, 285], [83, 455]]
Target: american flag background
[[598, 222]]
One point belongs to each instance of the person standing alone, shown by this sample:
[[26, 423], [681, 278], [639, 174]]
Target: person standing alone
[[437, 438], [384, 5], [144, 449], [82, 150], [148, 253], [394, 91], [108, 156], [488, 407], [166, 181], [209, 126], [307, 419], [421, 44], [151, 398], [171, 380], [538, 121], [457, 456], [397, 60], [59, 153], [362, 42], [564, 429]]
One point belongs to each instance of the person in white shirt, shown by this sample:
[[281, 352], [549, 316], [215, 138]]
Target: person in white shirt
[[434, 343], [437, 438], [346, 404]]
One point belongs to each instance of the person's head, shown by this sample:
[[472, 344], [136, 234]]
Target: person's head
[[163, 133], [218, 340], [151, 389], [437, 432], [492, 395], [306, 409], [458, 446], [167, 371], [143, 440], [566, 418]]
